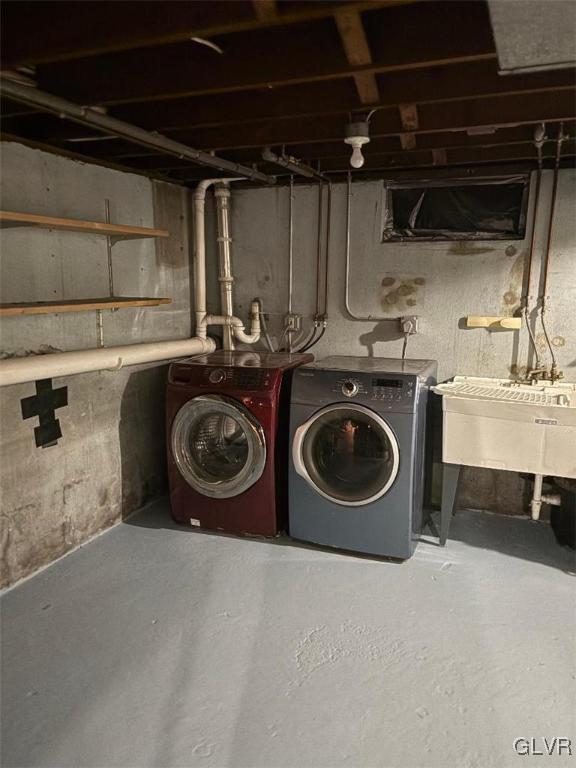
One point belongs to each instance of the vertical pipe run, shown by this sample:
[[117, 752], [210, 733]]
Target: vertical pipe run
[[200, 257], [554, 373], [289, 329], [539, 141], [319, 252], [290, 244], [327, 252], [222, 195], [99, 329], [109, 251]]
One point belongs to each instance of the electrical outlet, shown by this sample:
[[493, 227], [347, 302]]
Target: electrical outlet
[[409, 324], [293, 322]]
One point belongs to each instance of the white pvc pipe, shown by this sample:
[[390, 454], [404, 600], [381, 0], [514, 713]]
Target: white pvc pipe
[[200, 252], [222, 195], [539, 498], [536, 503], [237, 326], [203, 320], [18, 370]]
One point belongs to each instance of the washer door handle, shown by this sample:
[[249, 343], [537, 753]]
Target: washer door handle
[[297, 449]]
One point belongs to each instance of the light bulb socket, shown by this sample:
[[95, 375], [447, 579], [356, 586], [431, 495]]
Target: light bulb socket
[[360, 130]]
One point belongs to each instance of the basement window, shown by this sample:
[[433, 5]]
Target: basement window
[[457, 209]]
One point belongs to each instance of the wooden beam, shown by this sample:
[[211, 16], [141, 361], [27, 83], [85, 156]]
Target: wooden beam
[[409, 116], [378, 146], [440, 85], [439, 157], [265, 10], [118, 27], [304, 134], [408, 141], [357, 51], [409, 119], [462, 157], [434, 118], [270, 58]]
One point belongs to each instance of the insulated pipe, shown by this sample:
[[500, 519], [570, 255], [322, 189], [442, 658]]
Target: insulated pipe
[[19, 370], [222, 195], [113, 127]]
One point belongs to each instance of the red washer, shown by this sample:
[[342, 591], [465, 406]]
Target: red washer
[[227, 433]]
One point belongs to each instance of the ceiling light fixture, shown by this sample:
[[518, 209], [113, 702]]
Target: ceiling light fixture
[[357, 134]]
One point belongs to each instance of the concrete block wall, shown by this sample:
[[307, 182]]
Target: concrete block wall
[[111, 458]]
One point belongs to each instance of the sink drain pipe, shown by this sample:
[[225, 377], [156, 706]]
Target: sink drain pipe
[[539, 498]]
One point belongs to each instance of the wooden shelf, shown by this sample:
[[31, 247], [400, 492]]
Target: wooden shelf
[[79, 305], [114, 231], [488, 321]]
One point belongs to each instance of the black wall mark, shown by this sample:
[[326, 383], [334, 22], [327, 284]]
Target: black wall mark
[[43, 404]]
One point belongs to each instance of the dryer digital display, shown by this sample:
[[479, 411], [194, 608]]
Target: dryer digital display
[[392, 383]]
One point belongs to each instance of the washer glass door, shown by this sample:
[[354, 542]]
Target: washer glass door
[[218, 445], [348, 454]]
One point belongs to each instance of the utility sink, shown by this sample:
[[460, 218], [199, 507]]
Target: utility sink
[[502, 424]]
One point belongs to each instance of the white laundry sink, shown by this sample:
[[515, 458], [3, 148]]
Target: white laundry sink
[[503, 424]]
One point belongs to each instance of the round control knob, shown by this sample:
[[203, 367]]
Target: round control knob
[[349, 388], [216, 376]]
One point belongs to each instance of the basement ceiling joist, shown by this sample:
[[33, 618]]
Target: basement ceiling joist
[[115, 25], [269, 58], [290, 74], [490, 113]]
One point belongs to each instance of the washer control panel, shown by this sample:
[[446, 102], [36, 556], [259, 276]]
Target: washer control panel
[[239, 378], [216, 376]]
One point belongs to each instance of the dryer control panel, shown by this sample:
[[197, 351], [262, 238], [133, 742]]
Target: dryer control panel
[[386, 392], [393, 389]]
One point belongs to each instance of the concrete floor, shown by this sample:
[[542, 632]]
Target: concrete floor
[[158, 646]]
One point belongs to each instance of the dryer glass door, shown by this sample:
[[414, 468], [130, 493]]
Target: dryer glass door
[[348, 454], [218, 445]]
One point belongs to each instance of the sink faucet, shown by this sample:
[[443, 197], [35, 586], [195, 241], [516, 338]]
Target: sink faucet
[[541, 374], [536, 374], [555, 374]]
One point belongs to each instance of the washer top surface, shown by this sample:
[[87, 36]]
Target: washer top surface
[[422, 368], [250, 359]]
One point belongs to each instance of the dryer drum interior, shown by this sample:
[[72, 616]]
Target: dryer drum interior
[[218, 446], [349, 454]]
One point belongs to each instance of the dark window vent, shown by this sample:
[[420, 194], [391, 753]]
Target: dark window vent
[[493, 209]]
